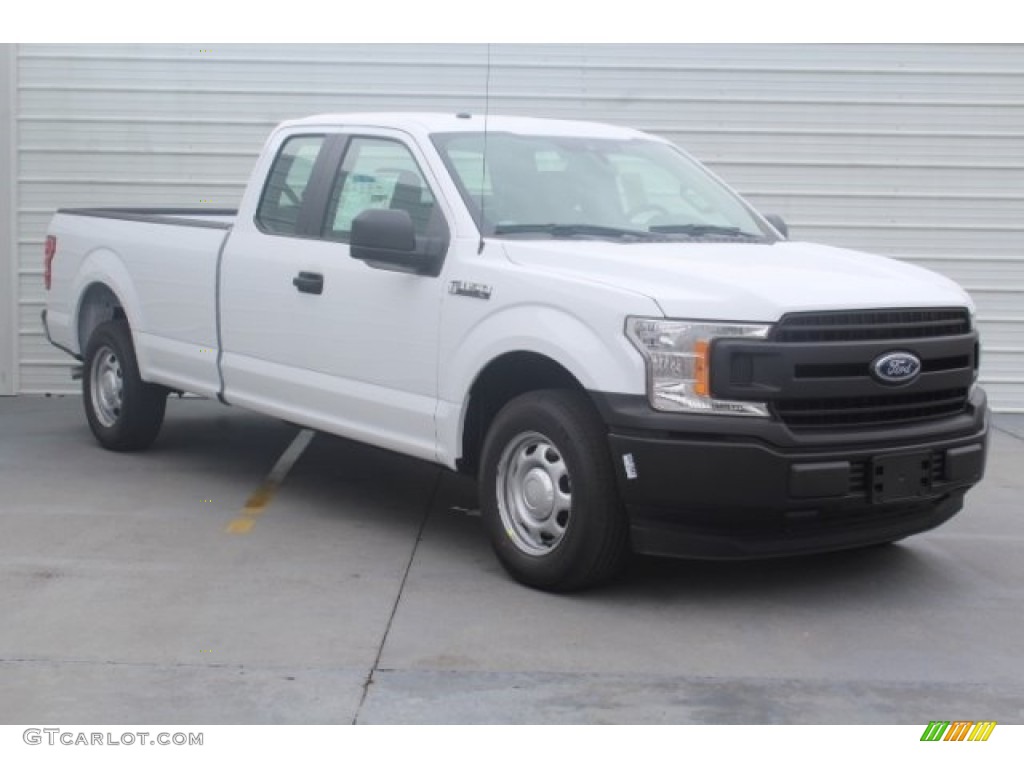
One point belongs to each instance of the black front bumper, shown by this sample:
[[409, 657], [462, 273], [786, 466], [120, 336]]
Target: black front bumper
[[727, 487]]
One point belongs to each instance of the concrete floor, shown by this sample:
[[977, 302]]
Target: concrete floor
[[361, 595]]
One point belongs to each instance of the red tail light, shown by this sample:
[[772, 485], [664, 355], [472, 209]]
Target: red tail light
[[49, 252]]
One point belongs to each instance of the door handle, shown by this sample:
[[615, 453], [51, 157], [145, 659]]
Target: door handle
[[309, 282]]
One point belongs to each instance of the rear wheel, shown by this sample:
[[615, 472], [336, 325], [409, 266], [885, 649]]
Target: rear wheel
[[548, 493], [124, 412]]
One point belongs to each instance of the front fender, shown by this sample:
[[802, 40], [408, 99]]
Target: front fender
[[595, 359], [599, 357]]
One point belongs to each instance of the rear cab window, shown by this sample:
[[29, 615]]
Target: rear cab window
[[287, 184]]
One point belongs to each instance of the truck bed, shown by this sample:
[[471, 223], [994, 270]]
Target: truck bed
[[163, 262], [213, 218]]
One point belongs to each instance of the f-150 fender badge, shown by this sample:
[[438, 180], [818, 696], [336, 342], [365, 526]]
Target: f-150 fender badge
[[896, 368], [473, 290]]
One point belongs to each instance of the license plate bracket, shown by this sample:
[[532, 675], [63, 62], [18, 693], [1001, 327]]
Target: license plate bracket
[[904, 476]]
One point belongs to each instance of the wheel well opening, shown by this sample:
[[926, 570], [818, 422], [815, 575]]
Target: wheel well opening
[[505, 378], [99, 304]]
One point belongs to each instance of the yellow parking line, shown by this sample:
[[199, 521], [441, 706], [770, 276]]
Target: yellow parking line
[[240, 525], [261, 497], [255, 504]]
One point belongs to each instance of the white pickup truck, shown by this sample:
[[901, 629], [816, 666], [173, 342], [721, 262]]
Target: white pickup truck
[[625, 354]]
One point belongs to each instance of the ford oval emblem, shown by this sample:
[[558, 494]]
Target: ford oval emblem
[[896, 368]]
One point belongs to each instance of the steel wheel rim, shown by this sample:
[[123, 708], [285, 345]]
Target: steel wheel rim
[[534, 493], [106, 387]]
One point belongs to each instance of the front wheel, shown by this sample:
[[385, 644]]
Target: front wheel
[[548, 493], [124, 412]]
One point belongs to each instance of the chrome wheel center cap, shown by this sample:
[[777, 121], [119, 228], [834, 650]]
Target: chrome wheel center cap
[[539, 494], [110, 383]]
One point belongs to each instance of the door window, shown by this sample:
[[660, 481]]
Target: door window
[[378, 173]]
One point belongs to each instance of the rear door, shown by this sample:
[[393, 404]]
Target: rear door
[[310, 333]]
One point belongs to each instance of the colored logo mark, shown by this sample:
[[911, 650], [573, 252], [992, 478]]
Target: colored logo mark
[[896, 368], [958, 730]]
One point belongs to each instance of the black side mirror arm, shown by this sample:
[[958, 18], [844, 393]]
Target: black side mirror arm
[[780, 225]]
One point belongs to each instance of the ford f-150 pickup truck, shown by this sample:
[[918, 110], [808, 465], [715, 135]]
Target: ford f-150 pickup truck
[[625, 354]]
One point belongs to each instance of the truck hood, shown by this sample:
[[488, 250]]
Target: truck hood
[[742, 281]]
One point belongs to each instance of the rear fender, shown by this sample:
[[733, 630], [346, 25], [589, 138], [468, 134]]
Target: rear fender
[[104, 267]]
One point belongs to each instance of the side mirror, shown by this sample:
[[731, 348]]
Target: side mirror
[[382, 230], [386, 239], [776, 221]]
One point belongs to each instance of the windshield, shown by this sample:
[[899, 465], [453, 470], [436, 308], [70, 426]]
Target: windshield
[[559, 186]]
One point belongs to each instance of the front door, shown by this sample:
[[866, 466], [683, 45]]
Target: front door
[[321, 338]]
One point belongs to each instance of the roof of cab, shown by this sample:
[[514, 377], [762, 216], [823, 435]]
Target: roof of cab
[[428, 122]]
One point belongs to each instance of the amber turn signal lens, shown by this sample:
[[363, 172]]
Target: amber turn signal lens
[[701, 369]]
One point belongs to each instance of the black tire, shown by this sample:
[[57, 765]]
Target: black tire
[[548, 493], [124, 412]]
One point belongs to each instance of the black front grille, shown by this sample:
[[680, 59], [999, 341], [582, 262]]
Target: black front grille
[[875, 410], [819, 365], [840, 370], [873, 325]]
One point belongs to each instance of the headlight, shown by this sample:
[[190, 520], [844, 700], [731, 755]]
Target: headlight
[[679, 366]]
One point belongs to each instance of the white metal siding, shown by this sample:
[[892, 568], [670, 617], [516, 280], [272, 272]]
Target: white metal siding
[[915, 151], [8, 270]]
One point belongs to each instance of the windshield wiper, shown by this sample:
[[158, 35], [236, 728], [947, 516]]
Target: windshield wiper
[[700, 230], [578, 230]]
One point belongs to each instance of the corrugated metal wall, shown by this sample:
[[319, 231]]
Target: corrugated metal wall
[[915, 151], [8, 270]]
